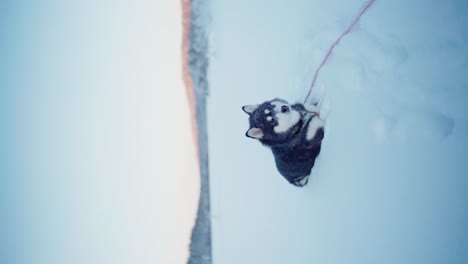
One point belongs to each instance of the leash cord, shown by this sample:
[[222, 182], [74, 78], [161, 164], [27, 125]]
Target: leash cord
[[337, 41]]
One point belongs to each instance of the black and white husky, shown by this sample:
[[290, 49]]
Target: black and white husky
[[293, 132]]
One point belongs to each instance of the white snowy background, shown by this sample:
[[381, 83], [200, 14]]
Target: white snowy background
[[97, 162], [390, 185]]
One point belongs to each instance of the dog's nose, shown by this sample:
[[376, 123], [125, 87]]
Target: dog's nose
[[284, 108]]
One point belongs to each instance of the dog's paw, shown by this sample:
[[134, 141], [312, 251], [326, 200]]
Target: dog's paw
[[301, 181]]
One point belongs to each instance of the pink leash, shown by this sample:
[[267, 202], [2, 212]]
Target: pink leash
[[350, 27]]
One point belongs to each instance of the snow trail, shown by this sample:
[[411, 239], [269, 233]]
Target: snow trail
[[335, 43]]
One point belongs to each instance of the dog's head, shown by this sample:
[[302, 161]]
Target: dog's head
[[271, 121]]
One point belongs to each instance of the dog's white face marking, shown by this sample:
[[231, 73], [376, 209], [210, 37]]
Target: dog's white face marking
[[286, 120], [267, 111], [314, 125], [269, 118]]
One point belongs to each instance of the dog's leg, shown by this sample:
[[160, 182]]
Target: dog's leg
[[314, 125]]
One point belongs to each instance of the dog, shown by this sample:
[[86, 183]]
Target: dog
[[294, 133]]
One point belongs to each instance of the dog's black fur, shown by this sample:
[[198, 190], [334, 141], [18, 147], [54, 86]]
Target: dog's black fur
[[294, 154]]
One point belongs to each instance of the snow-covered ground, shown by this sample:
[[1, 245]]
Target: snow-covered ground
[[390, 185]]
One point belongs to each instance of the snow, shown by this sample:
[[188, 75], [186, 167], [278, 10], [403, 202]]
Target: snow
[[390, 183]]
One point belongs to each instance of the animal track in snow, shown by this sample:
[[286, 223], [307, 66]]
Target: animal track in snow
[[359, 55], [381, 55], [416, 125]]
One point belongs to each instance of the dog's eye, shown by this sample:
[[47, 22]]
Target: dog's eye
[[284, 108]]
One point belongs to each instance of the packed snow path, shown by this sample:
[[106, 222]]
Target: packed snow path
[[390, 185]]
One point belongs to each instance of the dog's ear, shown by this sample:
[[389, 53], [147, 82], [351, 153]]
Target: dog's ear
[[249, 109], [254, 132]]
